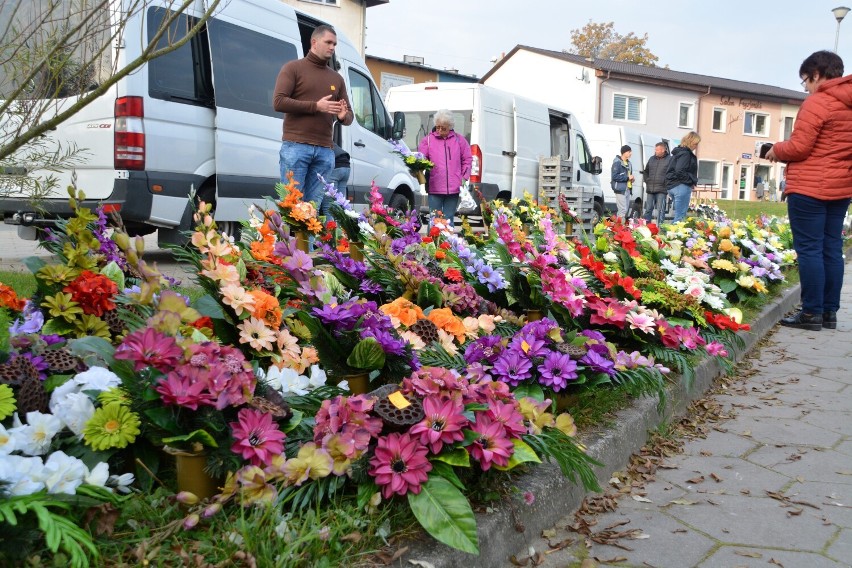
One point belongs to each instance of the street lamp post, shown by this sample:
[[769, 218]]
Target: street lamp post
[[839, 13]]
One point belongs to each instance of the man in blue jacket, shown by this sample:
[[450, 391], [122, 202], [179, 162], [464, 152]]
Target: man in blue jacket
[[621, 181]]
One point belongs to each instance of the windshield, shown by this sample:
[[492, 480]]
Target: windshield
[[419, 124]]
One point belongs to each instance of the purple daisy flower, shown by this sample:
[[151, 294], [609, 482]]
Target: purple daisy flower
[[512, 367], [486, 348], [529, 345], [598, 363], [557, 370]]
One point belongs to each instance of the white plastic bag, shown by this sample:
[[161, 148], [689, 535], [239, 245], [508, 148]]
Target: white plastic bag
[[467, 205]]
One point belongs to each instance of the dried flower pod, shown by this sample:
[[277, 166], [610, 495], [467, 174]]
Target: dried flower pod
[[397, 419], [60, 360], [32, 396]]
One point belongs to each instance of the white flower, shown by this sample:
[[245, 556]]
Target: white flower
[[7, 442], [74, 411], [63, 473], [121, 483], [318, 377], [97, 379], [366, 228], [696, 291], [98, 475], [34, 439], [63, 390], [21, 474], [610, 257], [293, 383]]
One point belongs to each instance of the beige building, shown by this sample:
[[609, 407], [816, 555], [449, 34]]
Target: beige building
[[389, 73], [348, 17]]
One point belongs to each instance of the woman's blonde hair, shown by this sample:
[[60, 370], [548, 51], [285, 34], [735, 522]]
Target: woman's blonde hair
[[691, 140]]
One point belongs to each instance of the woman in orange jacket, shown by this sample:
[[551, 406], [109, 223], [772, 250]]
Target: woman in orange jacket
[[819, 187]]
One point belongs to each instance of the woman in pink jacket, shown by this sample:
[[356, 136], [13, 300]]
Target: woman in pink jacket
[[450, 153], [819, 187]]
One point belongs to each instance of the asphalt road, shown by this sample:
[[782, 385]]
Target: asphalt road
[[13, 250]]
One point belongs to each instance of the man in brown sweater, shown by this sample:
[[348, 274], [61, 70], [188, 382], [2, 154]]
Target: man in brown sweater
[[312, 96]]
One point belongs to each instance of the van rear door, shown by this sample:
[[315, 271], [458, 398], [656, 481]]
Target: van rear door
[[248, 45], [531, 135]]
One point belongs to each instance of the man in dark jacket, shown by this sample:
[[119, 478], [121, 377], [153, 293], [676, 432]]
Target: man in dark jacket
[[621, 181], [654, 175]]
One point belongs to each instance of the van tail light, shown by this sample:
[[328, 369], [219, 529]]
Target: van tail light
[[475, 164], [129, 131]]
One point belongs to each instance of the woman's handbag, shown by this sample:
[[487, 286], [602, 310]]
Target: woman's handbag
[[467, 205]]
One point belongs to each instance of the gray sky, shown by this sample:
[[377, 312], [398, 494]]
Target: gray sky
[[763, 42]]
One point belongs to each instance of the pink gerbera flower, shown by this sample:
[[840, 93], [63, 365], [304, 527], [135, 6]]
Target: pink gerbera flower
[[506, 413], [399, 465], [491, 445], [257, 437], [443, 423], [150, 348], [182, 389]]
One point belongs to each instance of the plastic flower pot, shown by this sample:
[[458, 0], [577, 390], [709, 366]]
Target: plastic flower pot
[[191, 475], [359, 383], [534, 315], [356, 251], [302, 241]]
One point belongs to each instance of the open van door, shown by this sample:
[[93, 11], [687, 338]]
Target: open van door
[[247, 129], [531, 127]]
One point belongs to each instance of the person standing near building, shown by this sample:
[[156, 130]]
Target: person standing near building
[[682, 174], [783, 186], [654, 175], [773, 190], [450, 152], [621, 181], [819, 187], [312, 96], [759, 188]]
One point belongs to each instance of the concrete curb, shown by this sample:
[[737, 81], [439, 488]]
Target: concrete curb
[[513, 524]]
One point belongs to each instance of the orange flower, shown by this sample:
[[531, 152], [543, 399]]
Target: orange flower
[[9, 299], [445, 319], [262, 250], [404, 310], [440, 255], [314, 225], [266, 308], [726, 245]]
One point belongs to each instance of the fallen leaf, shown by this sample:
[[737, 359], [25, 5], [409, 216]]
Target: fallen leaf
[[706, 453], [680, 531], [614, 481], [549, 533], [421, 563], [844, 472], [794, 512], [588, 563], [609, 560], [522, 561], [352, 537], [747, 434], [716, 478], [777, 563], [617, 524], [696, 480], [800, 479], [748, 554], [745, 491], [641, 499], [682, 502]]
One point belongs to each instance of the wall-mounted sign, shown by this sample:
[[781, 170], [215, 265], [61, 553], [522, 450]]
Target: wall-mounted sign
[[746, 156]]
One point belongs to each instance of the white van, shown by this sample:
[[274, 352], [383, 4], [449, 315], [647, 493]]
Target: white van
[[201, 116], [508, 134], [606, 140]]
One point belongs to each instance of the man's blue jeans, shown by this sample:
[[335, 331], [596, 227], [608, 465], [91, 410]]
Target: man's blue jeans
[[446, 204], [306, 161], [680, 198], [817, 227], [655, 201]]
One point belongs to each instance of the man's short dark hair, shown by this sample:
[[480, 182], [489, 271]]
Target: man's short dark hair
[[827, 63], [660, 144], [321, 31]]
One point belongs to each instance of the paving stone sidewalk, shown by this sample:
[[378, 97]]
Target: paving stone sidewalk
[[771, 486]]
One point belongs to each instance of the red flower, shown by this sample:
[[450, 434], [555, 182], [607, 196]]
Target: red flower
[[331, 225], [445, 245], [94, 293], [434, 231], [426, 240], [203, 322], [258, 438], [453, 274], [399, 465], [150, 348]]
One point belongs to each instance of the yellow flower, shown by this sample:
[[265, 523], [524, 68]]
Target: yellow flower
[[253, 486], [723, 264], [565, 423], [311, 463]]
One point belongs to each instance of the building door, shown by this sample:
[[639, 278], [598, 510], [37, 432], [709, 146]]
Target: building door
[[744, 184], [725, 186]]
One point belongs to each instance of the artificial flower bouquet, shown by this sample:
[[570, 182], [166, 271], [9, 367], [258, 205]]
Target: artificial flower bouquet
[[354, 336], [353, 222], [415, 161], [296, 213], [424, 441]]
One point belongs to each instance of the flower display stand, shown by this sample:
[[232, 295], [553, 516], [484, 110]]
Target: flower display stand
[[359, 383], [191, 475], [534, 315], [356, 251], [302, 241]]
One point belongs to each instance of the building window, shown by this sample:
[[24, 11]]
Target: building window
[[627, 108], [719, 118], [756, 124], [726, 181], [684, 116], [788, 127], [707, 172]]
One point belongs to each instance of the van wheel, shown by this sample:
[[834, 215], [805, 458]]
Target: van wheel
[[399, 202], [598, 213]]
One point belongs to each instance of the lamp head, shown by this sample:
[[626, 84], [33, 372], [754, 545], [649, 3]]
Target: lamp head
[[840, 13]]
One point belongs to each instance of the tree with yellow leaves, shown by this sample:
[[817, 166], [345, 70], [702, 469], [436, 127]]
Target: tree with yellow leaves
[[601, 41]]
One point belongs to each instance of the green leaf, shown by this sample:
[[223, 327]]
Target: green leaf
[[523, 454], [529, 390], [54, 381], [446, 471], [114, 273], [429, 295], [458, 457], [163, 418], [97, 345], [56, 326], [727, 285], [34, 263], [201, 436], [208, 306], [469, 437], [368, 354], [445, 513], [293, 421]]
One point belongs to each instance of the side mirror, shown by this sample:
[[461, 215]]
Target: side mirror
[[398, 125], [597, 165]]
